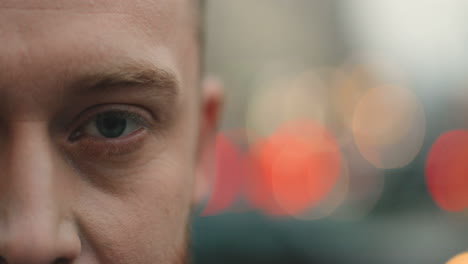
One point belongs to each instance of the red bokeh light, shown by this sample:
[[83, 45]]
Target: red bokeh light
[[229, 173], [295, 168], [447, 171]]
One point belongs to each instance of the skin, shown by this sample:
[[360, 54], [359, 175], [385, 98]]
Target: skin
[[69, 194]]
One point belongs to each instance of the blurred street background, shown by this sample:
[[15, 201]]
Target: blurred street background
[[344, 136]]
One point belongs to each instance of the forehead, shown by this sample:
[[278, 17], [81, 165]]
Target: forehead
[[149, 8], [51, 34], [151, 14]]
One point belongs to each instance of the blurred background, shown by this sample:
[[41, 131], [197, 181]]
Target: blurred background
[[345, 132]]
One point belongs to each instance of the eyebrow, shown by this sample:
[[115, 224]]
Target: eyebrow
[[163, 83]]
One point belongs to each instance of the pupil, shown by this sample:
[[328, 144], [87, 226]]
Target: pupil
[[111, 125]]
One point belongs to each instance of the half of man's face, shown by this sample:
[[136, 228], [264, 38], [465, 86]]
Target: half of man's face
[[100, 126]]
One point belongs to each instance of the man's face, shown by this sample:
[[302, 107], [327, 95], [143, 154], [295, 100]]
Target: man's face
[[101, 124]]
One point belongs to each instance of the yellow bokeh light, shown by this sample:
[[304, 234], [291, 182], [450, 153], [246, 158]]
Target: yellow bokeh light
[[459, 259]]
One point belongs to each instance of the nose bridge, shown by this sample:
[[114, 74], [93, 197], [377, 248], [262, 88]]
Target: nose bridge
[[29, 168], [33, 221]]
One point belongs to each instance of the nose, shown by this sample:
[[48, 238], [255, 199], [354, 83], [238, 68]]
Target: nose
[[35, 240], [35, 225]]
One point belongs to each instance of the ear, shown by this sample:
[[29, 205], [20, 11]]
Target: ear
[[211, 101]]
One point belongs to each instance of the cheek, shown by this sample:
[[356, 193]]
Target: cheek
[[146, 223], [144, 217]]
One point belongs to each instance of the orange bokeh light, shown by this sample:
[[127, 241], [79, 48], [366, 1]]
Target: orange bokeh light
[[333, 200], [447, 171], [296, 168]]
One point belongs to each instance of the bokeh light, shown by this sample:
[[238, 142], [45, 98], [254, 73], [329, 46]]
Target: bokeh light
[[297, 166], [229, 175], [365, 187], [459, 259], [259, 184], [277, 100], [349, 84], [389, 126], [447, 171], [335, 197], [335, 65]]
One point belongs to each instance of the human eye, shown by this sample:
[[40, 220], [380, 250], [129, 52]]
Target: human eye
[[117, 130], [113, 125]]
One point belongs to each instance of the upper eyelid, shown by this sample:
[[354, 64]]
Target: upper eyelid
[[127, 114]]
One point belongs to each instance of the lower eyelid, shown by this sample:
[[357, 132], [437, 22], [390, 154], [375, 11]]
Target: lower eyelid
[[124, 138]]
